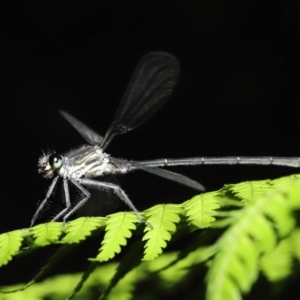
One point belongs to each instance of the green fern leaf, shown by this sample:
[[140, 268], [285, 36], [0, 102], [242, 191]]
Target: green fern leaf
[[45, 234], [120, 286], [118, 229], [282, 181], [10, 244], [201, 209], [236, 265], [52, 261], [295, 243], [257, 215], [129, 263], [172, 267], [83, 279], [292, 193], [261, 229], [58, 287], [278, 264], [125, 287], [163, 219], [250, 190], [283, 221], [77, 230]]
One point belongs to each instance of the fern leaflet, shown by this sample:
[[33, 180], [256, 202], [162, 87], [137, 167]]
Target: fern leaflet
[[163, 219], [10, 244], [118, 229]]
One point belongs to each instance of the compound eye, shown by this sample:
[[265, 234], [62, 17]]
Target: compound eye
[[55, 161]]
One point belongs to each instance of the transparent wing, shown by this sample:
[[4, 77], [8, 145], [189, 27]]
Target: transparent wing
[[138, 165], [179, 178], [87, 133], [150, 86]]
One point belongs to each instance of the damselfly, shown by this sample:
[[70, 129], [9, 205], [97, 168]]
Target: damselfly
[[150, 86]]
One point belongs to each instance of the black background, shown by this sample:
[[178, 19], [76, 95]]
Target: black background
[[238, 92]]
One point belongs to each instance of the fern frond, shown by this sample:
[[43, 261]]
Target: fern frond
[[131, 261], [83, 279], [163, 219], [250, 190], [236, 265], [77, 230], [244, 225], [46, 234], [282, 181], [10, 244], [125, 287], [118, 229], [295, 243], [278, 264], [51, 262], [172, 267], [202, 209]]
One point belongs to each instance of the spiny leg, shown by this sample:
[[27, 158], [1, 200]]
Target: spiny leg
[[67, 201], [42, 205], [120, 193], [80, 203]]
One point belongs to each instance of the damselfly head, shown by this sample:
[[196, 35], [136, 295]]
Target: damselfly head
[[49, 163]]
